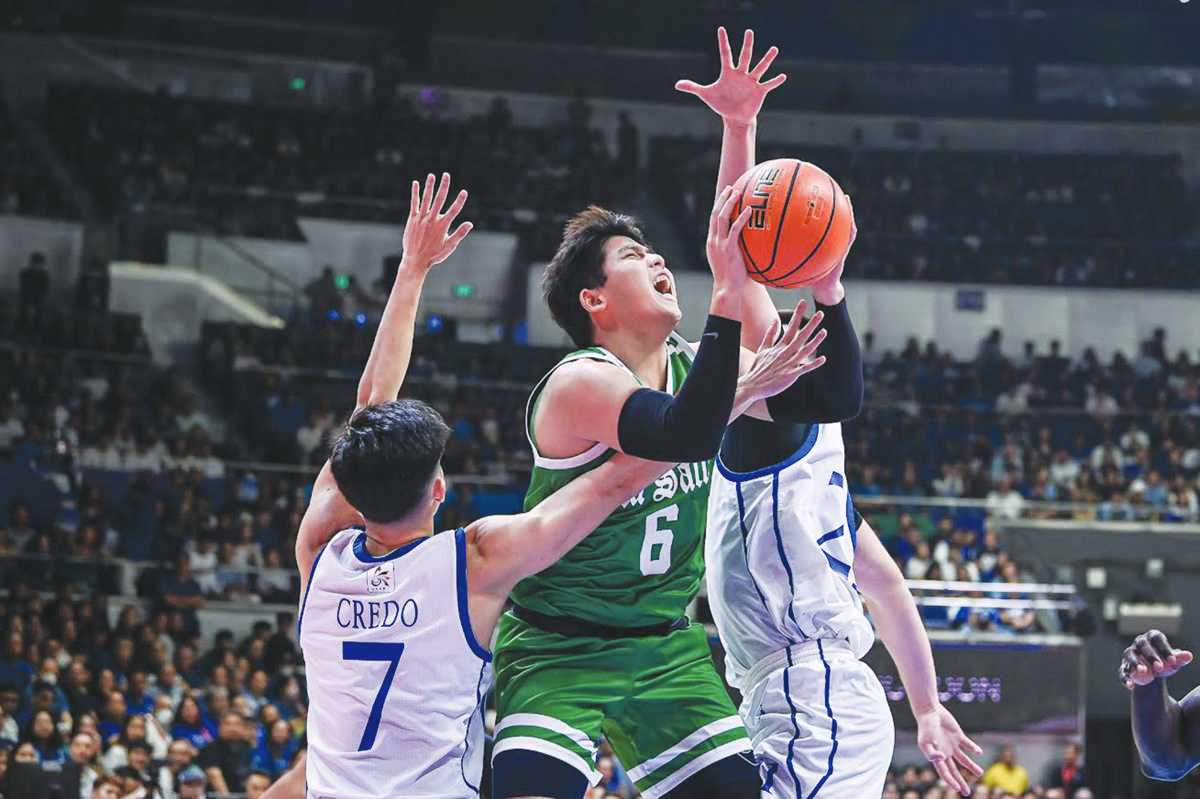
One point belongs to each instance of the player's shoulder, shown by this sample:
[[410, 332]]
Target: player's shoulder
[[583, 376]]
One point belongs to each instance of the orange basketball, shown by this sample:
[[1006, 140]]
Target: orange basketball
[[799, 227]]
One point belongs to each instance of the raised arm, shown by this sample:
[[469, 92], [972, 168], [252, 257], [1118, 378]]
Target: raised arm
[[737, 96], [1167, 732], [899, 625], [427, 242], [837, 393]]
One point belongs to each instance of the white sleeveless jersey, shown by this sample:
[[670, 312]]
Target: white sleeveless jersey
[[779, 556], [396, 679]]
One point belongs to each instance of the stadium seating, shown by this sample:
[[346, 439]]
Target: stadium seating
[[987, 217], [251, 170], [25, 187]]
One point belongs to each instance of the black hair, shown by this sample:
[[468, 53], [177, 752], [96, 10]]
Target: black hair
[[579, 265], [54, 742], [386, 456]]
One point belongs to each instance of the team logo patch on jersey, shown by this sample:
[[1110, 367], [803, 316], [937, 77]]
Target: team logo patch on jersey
[[382, 579]]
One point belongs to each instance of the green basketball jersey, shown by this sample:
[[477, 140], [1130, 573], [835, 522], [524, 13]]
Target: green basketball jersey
[[644, 563]]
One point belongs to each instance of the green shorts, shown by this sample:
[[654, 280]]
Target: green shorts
[[658, 700]]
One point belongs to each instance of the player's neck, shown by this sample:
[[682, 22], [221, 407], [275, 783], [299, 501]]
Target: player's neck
[[384, 538], [646, 355]]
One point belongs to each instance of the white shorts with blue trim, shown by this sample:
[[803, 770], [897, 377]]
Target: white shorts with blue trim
[[819, 723]]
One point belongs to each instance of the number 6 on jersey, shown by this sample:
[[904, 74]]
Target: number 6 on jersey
[[659, 563]]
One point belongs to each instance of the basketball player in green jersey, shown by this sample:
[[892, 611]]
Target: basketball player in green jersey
[[598, 644]]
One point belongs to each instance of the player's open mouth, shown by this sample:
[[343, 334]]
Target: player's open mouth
[[662, 284]]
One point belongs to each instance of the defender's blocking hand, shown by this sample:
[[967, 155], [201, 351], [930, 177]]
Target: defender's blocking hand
[[737, 94], [427, 240]]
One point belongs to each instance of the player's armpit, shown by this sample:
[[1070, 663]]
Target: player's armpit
[[580, 406]]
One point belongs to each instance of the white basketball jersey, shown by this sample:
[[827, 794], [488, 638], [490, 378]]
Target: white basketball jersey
[[396, 679], [779, 556]]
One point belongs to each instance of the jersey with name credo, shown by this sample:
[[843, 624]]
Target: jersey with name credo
[[396, 679], [644, 563]]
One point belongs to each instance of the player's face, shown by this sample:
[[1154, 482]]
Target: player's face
[[637, 284]]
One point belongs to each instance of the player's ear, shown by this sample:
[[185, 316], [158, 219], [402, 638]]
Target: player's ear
[[592, 300], [438, 489]]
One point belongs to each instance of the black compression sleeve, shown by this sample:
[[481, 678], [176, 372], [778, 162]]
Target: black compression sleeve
[[834, 392], [689, 425]]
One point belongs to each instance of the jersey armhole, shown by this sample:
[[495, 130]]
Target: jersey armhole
[[312, 573], [464, 616], [853, 520], [574, 461]]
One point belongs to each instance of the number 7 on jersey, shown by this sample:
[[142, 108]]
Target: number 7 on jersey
[[390, 653]]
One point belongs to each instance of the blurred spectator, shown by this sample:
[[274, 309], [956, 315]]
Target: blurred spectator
[[34, 281], [188, 725], [274, 755], [1006, 774], [180, 756], [109, 787], [257, 784], [92, 287], [1004, 501], [1068, 774], [43, 733], [226, 761], [182, 592], [81, 771], [191, 783]]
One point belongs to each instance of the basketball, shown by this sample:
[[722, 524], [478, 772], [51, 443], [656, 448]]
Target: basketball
[[800, 222]]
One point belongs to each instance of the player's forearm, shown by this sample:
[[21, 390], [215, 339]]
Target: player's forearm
[[392, 349], [1157, 724], [900, 628], [688, 426], [535, 540], [836, 393], [737, 156], [737, 151]]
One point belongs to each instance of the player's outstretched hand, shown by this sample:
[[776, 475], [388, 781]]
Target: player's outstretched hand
[[829, 290], [738, 92], [947, 748], [1149, 658], [427, 236], [776, 366], [724, 255]]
